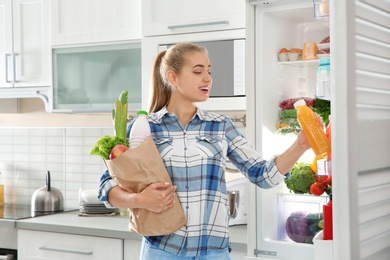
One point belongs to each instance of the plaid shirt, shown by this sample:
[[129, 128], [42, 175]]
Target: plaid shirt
[[195, 158]]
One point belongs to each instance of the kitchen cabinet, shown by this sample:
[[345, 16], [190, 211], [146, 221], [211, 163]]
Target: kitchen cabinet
[[92, 21], [24, 43], [166, 17], [51, 245], [131, 249]]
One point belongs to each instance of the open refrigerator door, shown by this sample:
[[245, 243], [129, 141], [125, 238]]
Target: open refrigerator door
[[289, 25]]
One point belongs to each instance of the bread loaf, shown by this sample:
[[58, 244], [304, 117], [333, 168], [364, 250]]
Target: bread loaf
[[309, 51]]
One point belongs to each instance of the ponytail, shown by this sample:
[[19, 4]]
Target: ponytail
[[161, 91]]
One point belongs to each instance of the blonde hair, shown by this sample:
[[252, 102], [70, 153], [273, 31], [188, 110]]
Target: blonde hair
[[172, 59]]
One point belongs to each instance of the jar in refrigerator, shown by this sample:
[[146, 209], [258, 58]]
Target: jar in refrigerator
[[323, 79]]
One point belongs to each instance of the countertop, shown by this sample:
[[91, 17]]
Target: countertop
[[104, 226]]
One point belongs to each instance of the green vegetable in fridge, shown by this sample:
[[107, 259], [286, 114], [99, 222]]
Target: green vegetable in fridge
[[288, 113], [104, 145], [119, 115], [302, 177], [322, 108]]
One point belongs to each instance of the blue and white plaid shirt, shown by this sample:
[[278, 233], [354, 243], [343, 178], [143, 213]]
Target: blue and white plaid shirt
[[195, 158]]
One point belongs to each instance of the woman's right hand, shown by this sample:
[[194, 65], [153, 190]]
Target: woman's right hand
[[158, 197]]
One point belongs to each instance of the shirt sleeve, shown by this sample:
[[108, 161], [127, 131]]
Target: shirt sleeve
[[263, 173], [106, 184]]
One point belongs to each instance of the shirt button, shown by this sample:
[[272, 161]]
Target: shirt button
[[187, 207], [187, 187]]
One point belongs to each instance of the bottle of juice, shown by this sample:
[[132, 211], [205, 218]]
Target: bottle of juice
[[315, 135], [329, 135]]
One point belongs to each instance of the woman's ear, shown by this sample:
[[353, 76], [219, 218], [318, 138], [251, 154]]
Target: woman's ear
[[172, 78]]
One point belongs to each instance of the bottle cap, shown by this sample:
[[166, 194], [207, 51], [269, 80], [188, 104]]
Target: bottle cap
[[299, 103], [142, 112]]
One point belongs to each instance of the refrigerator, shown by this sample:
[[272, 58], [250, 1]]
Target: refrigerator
[[360, 103]]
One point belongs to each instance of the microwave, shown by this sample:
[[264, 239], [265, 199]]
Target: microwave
[[226, 50], [227, 58]]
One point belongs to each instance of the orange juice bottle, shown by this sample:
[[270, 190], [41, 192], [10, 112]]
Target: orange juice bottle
[[315, 135]]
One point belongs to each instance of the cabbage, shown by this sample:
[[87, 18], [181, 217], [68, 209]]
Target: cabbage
[[301, 226]]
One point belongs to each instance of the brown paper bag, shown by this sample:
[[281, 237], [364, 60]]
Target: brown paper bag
[[136, 169]]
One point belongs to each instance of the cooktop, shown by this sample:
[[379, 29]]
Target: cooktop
[[21, 211]]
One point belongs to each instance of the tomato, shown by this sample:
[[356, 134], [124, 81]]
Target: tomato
[[329, 180], [317, 189], [324, 180]]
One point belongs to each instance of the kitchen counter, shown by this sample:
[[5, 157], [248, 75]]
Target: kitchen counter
[[105, 226]]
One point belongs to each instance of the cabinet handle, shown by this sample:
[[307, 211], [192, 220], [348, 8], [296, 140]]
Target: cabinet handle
[[173, 27], [65, 250], [6, 68], [14, 63]]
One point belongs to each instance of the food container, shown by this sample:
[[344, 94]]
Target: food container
[[322, 11], [293, 56], [283, 56]]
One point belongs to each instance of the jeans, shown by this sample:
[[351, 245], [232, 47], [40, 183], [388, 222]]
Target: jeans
[[148, 251]]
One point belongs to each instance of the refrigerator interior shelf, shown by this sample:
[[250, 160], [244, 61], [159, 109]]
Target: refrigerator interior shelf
[[300, 63]]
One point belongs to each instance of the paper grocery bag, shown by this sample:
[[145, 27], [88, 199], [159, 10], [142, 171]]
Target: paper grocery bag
[[136, 169]]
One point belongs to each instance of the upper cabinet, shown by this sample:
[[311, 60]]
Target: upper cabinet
[[165, 17], [92, 21], [24, 43]]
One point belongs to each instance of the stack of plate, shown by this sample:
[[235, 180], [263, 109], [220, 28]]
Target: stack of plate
[[91, 205], [96, 209]]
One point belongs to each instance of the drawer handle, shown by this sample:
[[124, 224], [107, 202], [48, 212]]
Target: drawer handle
[[45, 248], [173, 27]]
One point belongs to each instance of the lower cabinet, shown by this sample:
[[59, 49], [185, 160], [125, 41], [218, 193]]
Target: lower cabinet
[[131, 249], [50, 245]]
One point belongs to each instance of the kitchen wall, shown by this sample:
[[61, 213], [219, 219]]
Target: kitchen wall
[[27, 153], [34, 141]]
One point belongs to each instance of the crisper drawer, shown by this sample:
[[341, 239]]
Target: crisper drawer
[[50, 245]]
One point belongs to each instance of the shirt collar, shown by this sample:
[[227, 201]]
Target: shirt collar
[[200, 113]]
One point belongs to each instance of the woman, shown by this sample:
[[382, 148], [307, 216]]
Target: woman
[[194, 145]]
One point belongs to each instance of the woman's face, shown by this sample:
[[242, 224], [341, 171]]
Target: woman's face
[[194, 80]]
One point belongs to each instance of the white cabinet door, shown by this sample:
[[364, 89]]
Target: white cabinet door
[[89, 21], [24, 46], [162, 17], [49, 245], [131, 249], [5, 43]]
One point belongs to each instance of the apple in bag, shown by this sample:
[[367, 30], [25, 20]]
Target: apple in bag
[[118, 150]]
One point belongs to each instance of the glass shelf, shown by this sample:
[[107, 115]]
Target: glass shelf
[[300, 63]]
